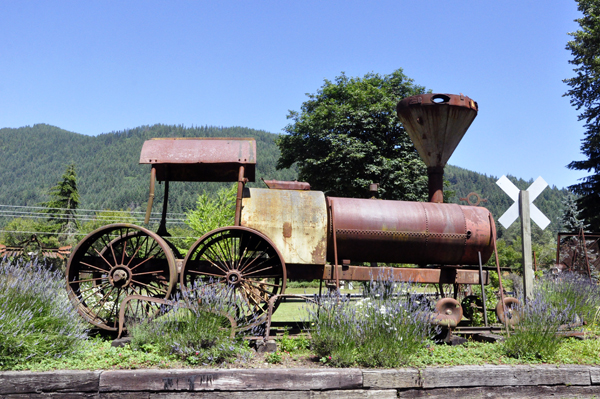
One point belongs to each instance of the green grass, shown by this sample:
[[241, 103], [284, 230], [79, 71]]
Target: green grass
[[100, 355], [296, 311], [573, 351]]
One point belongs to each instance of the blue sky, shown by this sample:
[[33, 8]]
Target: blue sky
[[94, 67]]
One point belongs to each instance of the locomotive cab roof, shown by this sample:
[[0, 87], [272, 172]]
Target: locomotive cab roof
[[200, 159]]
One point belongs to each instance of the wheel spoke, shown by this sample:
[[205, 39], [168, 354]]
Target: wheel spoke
[[94, 292], [220, 281], [206, 274], [88, 279], [147, 286], [222, 254], [257, 285], [107, 262], [248, 268], [155, 271], [224, 245], [214, 264], [113, 253], [258, 271], [103, 301], [152, 248], [103, 243], [137, 249], [124, 252], [93, 267], [142, 262], [251, 294], [114, 308], [263, 283]]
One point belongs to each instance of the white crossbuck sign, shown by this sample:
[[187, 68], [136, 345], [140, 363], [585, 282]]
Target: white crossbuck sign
[[512, 213]]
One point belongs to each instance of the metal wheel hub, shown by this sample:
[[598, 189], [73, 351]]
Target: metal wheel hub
[[120, 276], [448, 312], [234, 278]]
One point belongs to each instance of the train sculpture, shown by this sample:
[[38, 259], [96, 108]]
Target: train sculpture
[[289, 232]]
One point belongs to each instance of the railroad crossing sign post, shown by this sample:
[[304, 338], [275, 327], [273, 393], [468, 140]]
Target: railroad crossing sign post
[[524, 208]]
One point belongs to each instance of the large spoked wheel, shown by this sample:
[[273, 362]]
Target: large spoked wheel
[[241, 263], [113, 262]]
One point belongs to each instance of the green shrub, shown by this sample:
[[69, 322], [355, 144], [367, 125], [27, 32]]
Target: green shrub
[[194, 327], [385, 329], [303, 284], [535, 336], [296, 344], [273, 358], [36, 318]]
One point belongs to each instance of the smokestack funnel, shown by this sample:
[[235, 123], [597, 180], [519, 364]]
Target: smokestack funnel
[[436, 123]]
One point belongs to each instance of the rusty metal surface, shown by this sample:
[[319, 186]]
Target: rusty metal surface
[[509, 312], [578, 253], [287, 185], [435, 127], [200, 159], [296, 222], [473, 202], [436, 123], [410, 232], [406, 274], [448, 312], [60, 253]]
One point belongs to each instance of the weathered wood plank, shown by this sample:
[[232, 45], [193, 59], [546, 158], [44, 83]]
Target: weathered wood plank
[[471, 376], [520, 392], [55, 395], [336, 394], [229, 380], [51, 381], [398, 378], [595, 375]]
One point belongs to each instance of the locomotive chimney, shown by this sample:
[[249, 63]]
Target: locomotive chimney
[[436, 123]]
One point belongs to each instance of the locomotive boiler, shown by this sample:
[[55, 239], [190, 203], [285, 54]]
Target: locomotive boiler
[[289, 232]]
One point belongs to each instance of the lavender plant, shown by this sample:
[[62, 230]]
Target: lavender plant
[[194, 327], [535, 336], [385, 329], [578, 291], [36, 318]]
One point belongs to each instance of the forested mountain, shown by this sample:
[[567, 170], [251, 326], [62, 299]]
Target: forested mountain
[[109, 176]]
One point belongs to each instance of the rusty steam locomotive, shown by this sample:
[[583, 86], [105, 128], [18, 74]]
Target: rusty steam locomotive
[[289, 232]]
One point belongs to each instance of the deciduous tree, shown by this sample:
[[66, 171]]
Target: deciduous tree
[[348, 135]]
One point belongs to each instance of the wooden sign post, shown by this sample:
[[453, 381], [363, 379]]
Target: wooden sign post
[[526, 241], [524, 208]]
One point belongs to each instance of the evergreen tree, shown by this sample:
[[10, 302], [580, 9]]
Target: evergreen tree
[[64, 203], [585, 95], [570, 221]]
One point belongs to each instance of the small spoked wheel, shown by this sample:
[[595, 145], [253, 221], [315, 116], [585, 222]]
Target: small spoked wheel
[[116, 261], [241, 263]]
